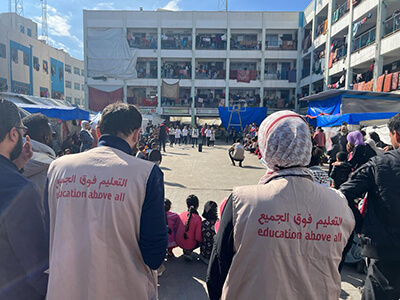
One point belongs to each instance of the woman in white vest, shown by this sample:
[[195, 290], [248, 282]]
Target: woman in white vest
[[282, 238]]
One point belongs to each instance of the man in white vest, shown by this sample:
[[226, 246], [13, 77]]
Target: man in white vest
[[107, 220], [282, 238]]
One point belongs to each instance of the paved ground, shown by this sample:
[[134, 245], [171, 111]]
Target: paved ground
[[210, 176]]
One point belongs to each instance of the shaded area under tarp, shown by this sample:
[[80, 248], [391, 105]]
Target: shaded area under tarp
[[248, 116], [58, 112], [352, 119]]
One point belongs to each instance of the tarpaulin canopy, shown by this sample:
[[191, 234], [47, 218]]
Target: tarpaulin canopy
[[248, 115], [330, 106], [353, 119], [63, 113]]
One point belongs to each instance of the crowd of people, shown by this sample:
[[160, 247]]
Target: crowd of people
[[97, 225]]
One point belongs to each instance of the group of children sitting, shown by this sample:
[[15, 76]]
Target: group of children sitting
[[188, 231]]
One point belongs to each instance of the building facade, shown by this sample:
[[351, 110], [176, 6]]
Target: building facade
[[271, 59], [29, 66]]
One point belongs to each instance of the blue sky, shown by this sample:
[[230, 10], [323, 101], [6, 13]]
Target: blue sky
[[65, 17]]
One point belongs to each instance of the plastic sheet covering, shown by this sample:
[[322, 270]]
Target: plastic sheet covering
[[170, 91], [109, 54], [98, 99], [354, 119], [358, 105], [248, 115], [330, 106], [63, 113]]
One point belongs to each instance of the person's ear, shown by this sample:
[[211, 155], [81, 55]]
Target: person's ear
[[397, 136], [13, 134], [98, 133]]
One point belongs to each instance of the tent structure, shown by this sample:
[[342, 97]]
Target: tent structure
[[51, 108], [333, 107]]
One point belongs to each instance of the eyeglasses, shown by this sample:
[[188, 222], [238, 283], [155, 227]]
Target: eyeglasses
[[24, 129]]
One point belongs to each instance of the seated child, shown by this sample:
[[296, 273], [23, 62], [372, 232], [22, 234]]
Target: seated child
[[341, 170], [210, 215], [172, 223], [188, 235]]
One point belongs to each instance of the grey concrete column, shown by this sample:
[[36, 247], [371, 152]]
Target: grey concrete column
[[193, 75], [159, 80], [228, 57], [262, 75], [350, 40], [314, 26], [85, 62], [125, 92], [125, 30], [380, 26], [300, 37]]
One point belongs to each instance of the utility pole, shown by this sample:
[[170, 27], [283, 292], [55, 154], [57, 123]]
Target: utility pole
[[19, 7], [222, 5]]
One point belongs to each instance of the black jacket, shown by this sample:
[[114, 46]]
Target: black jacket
[[361, 154], [380, 229], [340, 174], [24, 245]]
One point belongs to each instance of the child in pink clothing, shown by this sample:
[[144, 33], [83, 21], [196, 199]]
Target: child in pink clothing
[[188, 236], [172, 223]]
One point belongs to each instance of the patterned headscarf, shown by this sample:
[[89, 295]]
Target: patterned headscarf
[[285, 145], [355, 138]]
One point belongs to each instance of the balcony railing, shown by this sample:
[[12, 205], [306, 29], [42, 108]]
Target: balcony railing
[[341, 11], [245, 45], [211, 74], [176, 42], [392, 24], [365, 39], [211, 42], [176, 73], [305, 72], [149, 42], [341, 52], [243, 75]]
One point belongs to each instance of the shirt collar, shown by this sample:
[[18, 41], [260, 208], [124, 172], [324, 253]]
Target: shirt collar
[[115, 142], [8, 163]]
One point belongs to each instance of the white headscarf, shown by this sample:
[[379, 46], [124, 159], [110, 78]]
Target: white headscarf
[[285, 145]]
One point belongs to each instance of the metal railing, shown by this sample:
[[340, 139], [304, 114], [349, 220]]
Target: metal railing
[[392, 24], [365, 39], [340, 12]]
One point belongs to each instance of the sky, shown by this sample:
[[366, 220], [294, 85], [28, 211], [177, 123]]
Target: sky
[[65, 18]]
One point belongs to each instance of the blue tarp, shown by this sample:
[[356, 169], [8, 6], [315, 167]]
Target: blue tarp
[[58, 112], [354, 119], [248, 115], [330, 106]]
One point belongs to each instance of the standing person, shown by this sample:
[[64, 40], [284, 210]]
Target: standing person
[[270, 230], [178, 134], [203, 134], [85, 137], [185, 135], [107, 228], [336, 148], [188, 235], [212, 137], [320, 138], [171, 136], [236, 153], [380, 238], [208, 135], [162, 136], [195, 135], [344, 131], [190, 134], [210, 215], [23, 241], [320, 176], [43, 155], [341, 170], [360, 152]]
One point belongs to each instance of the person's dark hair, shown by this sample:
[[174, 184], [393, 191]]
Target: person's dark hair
[[341, 156], [192, 203], [167, 204], [393, 124], [9, 117], [316, 156], [237, 140], [210, 211], [363, 132], [120, 118], [373, 135], [38, 126]]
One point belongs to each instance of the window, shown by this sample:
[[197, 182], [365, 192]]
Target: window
[[272, 40], [77, 101], [36, 64], [83, 87], [44, 92], [26, 59], [45, 67], [68, 84], [82, 72], [29, 32], [3, 51], [77, 71], [22, 29], [77, 86], [67, 68], [14, 55], [69, 99], [271, 68]]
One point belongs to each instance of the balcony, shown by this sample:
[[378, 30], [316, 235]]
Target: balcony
[[210, 70], [244, 75], [176, 41], [141, 40], [321, 29], [305, 72], [245, 42], [364, 40], [211, 42], [146, 69], [392, 24], [341, 11], [176, 70]]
